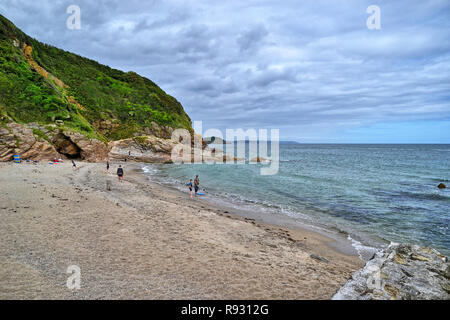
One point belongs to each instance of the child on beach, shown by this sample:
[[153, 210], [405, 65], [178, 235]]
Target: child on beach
[[190, 185], [120, 173], [196, 184]]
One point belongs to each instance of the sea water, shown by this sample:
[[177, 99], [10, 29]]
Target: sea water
[[372, 193]]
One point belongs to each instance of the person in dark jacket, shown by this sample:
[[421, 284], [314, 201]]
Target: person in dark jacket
[[120, 173], [196, 184]]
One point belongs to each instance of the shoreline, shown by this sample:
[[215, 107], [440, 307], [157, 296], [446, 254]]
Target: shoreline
[[335, 238], [332, 241], [143, 241], [320, 237]]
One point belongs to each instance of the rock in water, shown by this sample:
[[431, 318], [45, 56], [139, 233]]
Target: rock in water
[[403, 272], [442, 186]]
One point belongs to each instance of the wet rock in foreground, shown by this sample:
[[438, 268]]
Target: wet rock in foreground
[[400, 272]]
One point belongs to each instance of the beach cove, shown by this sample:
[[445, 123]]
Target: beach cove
[[143, 240]]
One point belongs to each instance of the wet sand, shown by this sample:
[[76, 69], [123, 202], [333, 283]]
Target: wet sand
[[141, 240]]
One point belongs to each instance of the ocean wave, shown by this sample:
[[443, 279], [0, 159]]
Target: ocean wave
[[436, 195], [439, 180], [291, 160], [365, 252], [150, 170], [425, 196]]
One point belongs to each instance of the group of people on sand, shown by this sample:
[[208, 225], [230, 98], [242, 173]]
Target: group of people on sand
[[195, 185]]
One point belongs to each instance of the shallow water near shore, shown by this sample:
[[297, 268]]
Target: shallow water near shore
[[371, 194]]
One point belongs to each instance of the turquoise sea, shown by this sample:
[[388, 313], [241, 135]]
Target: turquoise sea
[[374, 193]]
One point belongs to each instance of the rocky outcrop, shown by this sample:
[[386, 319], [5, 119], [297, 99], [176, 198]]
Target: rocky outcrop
[[73, 145], [146, 149], [18, 139], [214, 140], [441, 186], [91, 150], [65, 146], [259, 160], [159, 150], [35, 142], [400, 272]]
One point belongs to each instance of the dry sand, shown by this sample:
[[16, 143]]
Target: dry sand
[[145, 241]]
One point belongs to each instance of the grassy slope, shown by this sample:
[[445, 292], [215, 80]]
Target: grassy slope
[[92, 91]]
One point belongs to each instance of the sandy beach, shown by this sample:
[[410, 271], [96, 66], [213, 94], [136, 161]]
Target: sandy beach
[[141, 240]]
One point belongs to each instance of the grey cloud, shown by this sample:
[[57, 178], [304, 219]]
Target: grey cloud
[[252, 38], [300, 66], [201, 85], [266, 77]]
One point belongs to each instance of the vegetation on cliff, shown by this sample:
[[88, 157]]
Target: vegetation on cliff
[[43, 84]]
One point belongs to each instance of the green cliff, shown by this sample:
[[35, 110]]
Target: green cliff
[[48, 86]]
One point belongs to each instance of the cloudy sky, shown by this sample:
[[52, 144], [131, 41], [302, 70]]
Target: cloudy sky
[[310, 68]]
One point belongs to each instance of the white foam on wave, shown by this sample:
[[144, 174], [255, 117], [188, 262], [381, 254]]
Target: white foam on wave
[[364, 252], [149, 170], [446, 150]]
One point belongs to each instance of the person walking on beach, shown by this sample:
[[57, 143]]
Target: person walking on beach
[[74, 166], [190, 185], [120, 173], [196, 184], [107, 166]]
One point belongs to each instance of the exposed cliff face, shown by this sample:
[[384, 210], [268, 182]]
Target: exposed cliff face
[[36, 142], [159, 150], [19, 139], [146, 149], [28, 54], [400, 272]]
